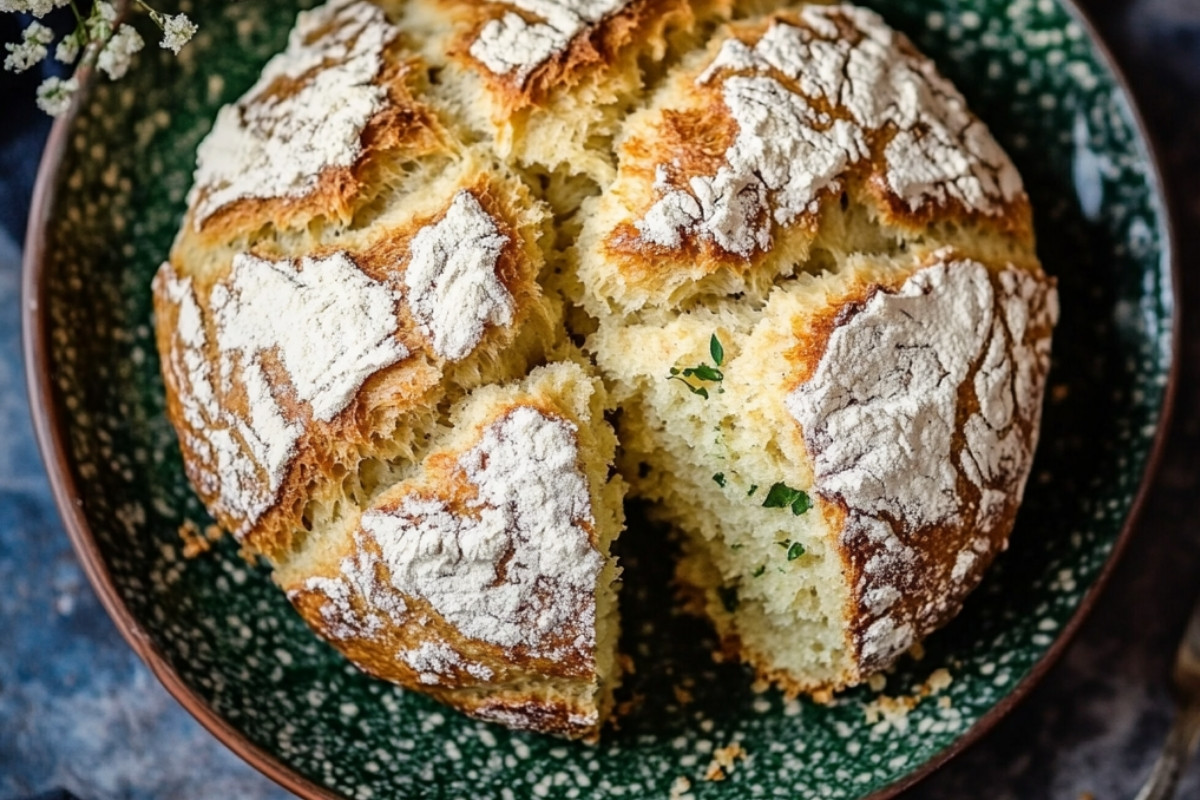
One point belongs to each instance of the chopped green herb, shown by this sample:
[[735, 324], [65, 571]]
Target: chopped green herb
[[720, 479], [785, 544], [759, 571], [736, 546], [717, 351], [782, 496], [700, 390], [795, 551], [729, 597], [704, 372], [753, 489]]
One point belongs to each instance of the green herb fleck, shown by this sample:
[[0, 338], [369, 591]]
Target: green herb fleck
[[729, 597], [717, 351], [753, 489], [704, 372], [795, 551], [785, 544], [720, 479], [782, 496], [736, 546], [700, 390], [759, 571]]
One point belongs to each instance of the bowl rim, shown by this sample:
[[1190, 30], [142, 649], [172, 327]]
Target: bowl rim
[[50, 433]]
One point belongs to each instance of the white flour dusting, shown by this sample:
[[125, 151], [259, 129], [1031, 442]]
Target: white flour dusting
[[435, 662], [879, 411], [343, 619], [451, 278], [879, 416], [787, 151], [328, 325], [519, 571], [273, 145], [513, 46]]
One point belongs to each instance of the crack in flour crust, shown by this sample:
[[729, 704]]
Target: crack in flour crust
[[879, 415], [305, 114], [789, 150]]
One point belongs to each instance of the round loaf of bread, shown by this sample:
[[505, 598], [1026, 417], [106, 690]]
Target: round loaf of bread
[[438, 241]]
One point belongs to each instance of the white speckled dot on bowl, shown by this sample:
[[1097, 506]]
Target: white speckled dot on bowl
[[226, 641]]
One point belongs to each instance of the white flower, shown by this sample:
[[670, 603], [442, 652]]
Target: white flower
[[31, 50], [39, 8], [178, 30], [100, 21], [54, 95], [116, 55], [67, 49]]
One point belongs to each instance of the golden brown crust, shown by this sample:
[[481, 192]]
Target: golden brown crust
[[945, 559], [637, 24], [404, 129], [404, 638], [688, 133], [907, 575], [530, 712], [390, 402]]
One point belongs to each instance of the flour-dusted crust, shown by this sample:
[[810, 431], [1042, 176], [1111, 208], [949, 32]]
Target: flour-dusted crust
[[921, 417], [438, 240], [479, 576], [281, 370], [302, 142], [736, 158]]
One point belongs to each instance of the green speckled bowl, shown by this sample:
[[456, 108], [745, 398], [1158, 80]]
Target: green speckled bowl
[[224, 640]]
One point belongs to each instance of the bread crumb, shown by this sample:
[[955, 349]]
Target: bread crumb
[[723, 761], [1059, 392], [679, 788], [945, 702], [822, 697], [894, 709], [248, 555], [917, 651], [194, 543], [625, 661], [682, 696], [938, 680], [629, 706], [760, 685], [877, 682], [213, 533]]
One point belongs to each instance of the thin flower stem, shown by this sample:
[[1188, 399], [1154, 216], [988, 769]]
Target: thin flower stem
[[78, 15], [154, 15]]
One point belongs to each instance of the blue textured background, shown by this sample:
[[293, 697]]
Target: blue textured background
[[79, 711]]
